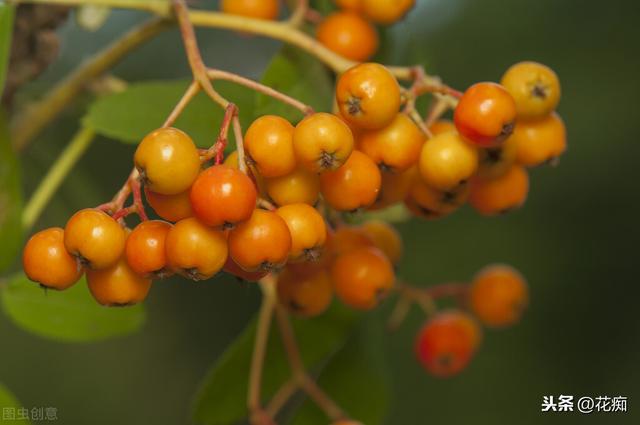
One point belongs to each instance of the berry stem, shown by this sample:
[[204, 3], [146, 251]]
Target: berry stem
[[264, 204], [189, 94], [237, 132], [297, 18], [265, 317], [56, 175], [281, 397], [217, 150], [136, 189]]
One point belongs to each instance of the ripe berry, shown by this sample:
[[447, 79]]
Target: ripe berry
[[306, 295], [232, 161], [118, 285], [442, 126], [195, 250], [300, 186], [534, 87], [368, 96], [232, 268], [447, 161], [223, 196], [496, 161], [385, 237], [498, 295], [352, 5], [322, 142], [168, 161], [486, 114], [447, 342], [262, 243], [269, 143], [95, 238], [354, 185], [394, 188], [541, 141], [362, 277], [386, 11], [259, 9], [349, 35], [426, 202], [145, 249], [308, 231], [170, 207], [46, 261], [500, 194], [345, 239], [395, 147]]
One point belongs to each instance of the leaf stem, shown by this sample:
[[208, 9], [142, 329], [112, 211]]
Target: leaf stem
[[187, 97], [56, 174]]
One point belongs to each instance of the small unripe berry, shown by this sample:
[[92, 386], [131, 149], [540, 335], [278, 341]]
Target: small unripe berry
[[498, 295]]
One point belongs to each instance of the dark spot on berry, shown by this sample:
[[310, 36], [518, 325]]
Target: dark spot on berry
[[445, 360], [506, 131], [539, 90], [327, 160], [228, 226], [493, 155], [312, 254], [294, 306], [353, 105], [385, 168]]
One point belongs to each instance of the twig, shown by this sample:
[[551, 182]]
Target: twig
[[237, 132], [300, 12], [281, 397], [187, 97]]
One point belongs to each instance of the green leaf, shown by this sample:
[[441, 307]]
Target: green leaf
[[300, 76], [130, 115], [355, 380], [222, 397], [9, 404], [10, 199], [7, 12], [71, 315]]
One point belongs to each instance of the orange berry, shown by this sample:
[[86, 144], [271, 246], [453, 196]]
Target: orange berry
[[168, 161], [385, 237], [170, 207], [539, 142], [534, 87], [395, 147], [46, 261], [195, 250], [442, 126], [500, 194], [354, 185], [353, 5], [305, 295], [322, 142], [262, 243], [426, 202], [386, 11], [394, 188], [447, 342], [496, 161], [118, 285], [232, 268], [447, 161], [349, 35], [486, 114], [223, 196], [300, 186], [145, 249], [345, 239], [259, 9], [498, 295], [308, 231], [362, 277], [368, 96], [95, 238], [269, 143]]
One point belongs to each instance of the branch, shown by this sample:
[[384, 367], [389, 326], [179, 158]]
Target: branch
[[54, 178], [30, 122]]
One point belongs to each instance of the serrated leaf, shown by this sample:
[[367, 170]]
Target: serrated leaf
[[10, 199], [7, 13], [70, 316], [300, 76], [10, 405], [130, 115], [355, 380], [222, 397]]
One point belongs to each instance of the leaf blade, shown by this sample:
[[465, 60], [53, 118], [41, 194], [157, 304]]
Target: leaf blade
[[7, 14], [10, 199]]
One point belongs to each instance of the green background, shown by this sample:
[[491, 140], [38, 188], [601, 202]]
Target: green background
[[576, 240]]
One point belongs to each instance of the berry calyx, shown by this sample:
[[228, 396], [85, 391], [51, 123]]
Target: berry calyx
[[262, 243], [427, 202], [118, 285], [349, 35], [223, 196], [447, 342], [368, 96], [362, 277], [353, 186], [46, 261], [269, 143], [498, 295], [535, 88], [486, 114], [168, 161], [195, 250], [95, 238], [308, 231], [322, 142], [145, 249]]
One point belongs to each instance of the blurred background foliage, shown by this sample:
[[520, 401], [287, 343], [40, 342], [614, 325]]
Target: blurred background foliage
[[574, 240]]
